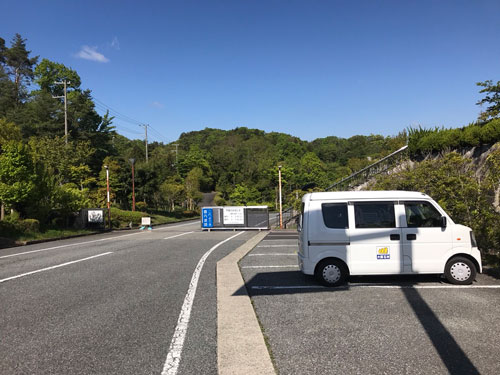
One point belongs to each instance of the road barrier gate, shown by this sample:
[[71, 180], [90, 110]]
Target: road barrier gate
[[235, 217]]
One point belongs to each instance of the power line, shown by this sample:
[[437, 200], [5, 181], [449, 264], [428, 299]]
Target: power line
[[120, 116], [130, 119]]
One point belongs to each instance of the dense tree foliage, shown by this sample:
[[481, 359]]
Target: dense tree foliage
[[46, 178], [469, 197]]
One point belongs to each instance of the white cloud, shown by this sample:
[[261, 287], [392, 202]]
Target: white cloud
[[115, 44], [90, 53], [157, 105]]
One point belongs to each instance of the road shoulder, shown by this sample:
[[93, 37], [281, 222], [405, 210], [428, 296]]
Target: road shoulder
[[241, 348]]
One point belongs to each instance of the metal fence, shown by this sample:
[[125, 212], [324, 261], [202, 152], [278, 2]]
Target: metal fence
[[358, 178], [235, 217]]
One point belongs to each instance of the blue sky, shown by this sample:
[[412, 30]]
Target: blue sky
[[307, 68]]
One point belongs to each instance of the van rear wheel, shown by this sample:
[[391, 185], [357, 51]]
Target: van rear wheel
[[460, 271], [331, 272]]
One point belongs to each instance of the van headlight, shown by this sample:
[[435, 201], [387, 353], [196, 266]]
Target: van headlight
[[473, 239]]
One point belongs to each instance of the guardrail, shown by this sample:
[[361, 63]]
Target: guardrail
[[366, 173]]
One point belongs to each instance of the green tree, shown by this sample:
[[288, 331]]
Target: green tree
[[192, 186], [173, 192], [18, 63], [492, 98], [17, 175], [47, 73], [244, 195]]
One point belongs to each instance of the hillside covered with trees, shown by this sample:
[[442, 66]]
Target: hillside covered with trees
[[45, 177]]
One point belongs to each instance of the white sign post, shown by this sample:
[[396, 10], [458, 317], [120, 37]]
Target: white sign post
[[146, 222], [234, 216]]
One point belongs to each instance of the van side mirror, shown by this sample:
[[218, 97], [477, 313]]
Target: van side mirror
[[297, 221], [443, 221]]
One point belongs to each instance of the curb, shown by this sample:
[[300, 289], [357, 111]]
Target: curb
[[241, 348]]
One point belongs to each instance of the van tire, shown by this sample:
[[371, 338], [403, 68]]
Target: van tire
[[460, 271], [331, 272]]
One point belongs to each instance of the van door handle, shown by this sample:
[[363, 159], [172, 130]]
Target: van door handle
[[395, 237], [410, 237]]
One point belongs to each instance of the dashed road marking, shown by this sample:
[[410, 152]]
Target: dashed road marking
[[177, 226], [53, 267], [177, 235], [69, 245], [175, 350]]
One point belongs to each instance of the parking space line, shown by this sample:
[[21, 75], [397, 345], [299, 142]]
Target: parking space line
[[287, 266], [53, 267], [274, 246], [263, 287], [272, 254], [176, 345], [177, 235]]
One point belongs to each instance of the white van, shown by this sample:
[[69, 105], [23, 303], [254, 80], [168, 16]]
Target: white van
[[381, 233]]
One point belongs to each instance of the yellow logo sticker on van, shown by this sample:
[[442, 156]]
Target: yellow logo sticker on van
[[383, 252]]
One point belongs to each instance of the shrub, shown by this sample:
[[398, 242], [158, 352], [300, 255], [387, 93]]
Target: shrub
[[8, 229], [141, 206], [29, 225], [122, 218]]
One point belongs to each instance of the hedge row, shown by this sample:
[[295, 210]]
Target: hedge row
[[421, 140]]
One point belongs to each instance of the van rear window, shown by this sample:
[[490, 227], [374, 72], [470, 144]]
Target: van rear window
[[374, 215], [335, 215]]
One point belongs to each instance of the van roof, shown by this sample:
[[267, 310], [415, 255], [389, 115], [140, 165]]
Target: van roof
[[371, 194]]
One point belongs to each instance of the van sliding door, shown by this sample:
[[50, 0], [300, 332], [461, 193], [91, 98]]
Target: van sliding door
[[375, 239]]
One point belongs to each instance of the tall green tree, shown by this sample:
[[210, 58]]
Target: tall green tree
[[19, 64], [17, 175], [492, 98], [47, 73]]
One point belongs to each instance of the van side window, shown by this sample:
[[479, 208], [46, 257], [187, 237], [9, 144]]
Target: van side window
[[335, 215], [421, 214], [374, 215]]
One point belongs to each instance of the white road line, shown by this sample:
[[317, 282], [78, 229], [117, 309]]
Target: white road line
[[53, 267], [288, 266], [176, 226], [272, 254], [175, 350], [274, 246], [178, 235], [263, 287], [69, 245]]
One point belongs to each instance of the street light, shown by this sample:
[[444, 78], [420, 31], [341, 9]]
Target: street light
[[281, 207], [132, 161], [107, 196]]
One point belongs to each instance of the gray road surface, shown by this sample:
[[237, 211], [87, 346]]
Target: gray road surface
[[114, 310], [374, 325]]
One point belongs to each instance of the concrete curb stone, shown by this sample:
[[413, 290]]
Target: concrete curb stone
[[241, 348]]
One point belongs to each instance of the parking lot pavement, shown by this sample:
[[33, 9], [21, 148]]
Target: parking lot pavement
[[373, 325]]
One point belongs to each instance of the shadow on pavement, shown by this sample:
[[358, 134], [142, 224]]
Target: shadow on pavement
[[453, 357]]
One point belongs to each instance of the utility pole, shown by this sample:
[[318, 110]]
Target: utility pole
[[107, 196], [65, 97], [145, 126], [281, 207], [132, 161]]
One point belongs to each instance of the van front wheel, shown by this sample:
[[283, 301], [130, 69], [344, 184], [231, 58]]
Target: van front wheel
[[331, 272], [460, 271]]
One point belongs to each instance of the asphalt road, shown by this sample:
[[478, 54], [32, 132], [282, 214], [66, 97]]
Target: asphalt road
[[109, 304], [373, 325]]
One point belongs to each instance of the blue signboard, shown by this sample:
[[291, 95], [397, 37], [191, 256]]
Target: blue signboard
[[207, 217]]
